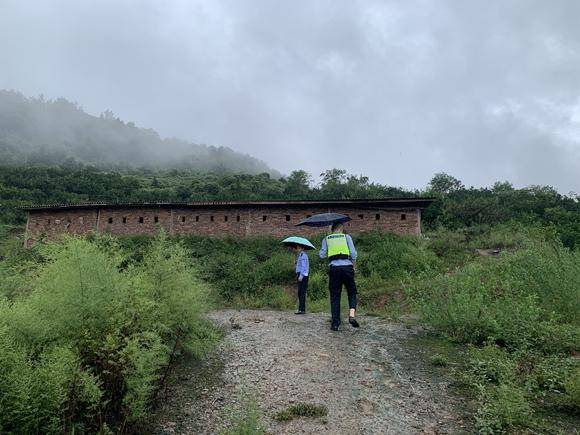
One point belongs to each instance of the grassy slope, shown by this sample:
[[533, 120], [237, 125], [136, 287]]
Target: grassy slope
[[514, 316]]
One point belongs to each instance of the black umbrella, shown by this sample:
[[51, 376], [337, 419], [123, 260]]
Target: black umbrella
[[323, 219]]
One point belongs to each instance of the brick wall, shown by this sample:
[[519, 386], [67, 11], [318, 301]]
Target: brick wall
[[49, 224], [278, 221]]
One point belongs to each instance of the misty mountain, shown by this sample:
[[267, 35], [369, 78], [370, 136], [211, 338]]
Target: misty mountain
[[36, 131]]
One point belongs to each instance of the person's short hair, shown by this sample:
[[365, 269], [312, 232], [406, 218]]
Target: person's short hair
[[337, 225]]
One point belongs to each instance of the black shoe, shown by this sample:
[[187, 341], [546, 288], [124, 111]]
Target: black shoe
[[300, 312], [353, 322], [334, 328]]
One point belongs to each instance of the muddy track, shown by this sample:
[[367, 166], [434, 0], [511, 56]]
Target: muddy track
[[373, 380]]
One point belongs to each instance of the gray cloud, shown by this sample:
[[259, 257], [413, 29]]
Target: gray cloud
[[396, 90]]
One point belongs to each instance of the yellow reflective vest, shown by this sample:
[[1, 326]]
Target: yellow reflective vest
[[337, 247]]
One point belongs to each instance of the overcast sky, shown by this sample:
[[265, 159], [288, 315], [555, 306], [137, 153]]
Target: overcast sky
[[396, 90]]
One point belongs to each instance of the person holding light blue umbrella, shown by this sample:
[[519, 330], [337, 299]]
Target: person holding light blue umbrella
[[300, 245]]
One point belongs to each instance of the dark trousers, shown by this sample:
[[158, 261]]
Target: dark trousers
[[302, 287], [337, 277]]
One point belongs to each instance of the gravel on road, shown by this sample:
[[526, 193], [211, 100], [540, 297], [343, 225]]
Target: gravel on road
[[372, 380]]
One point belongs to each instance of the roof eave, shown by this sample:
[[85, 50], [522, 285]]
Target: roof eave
[[388, 202]]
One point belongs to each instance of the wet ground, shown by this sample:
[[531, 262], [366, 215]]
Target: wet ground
[[373, 380]]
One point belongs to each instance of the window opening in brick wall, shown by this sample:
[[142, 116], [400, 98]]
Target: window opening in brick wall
[[211, 218], [156, 219], [48, 221], [403, 217], [197, 218], [124, 219], [361, 216], [287, 217], [141, 219], [225, 218], [110, 220], [237, 218], [377, 216], [264, 218], [182, 218]]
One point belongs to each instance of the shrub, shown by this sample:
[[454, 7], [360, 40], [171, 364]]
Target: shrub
[[522, 309], [448, 245], [456, 305], [572, 386], [91, 342], [503, 236], [490, 364], [317, 286], [239, 268], [392, 256], [529, 299], [277, 269], [230, 274], [270, 297], [549, 374], [504, 406], [43, 394], [439, 360], [16, 262]]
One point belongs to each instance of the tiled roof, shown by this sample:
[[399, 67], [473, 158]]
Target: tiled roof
[[377, 202]]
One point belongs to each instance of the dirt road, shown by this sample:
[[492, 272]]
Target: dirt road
[[372, 380]]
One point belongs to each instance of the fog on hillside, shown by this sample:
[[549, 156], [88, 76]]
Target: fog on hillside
[[42, 131]]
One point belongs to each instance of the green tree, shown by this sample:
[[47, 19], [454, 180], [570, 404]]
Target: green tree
[[332, 183], [444, 183], [298, 185]]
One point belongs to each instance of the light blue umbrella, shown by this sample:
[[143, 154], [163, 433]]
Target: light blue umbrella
[[293, 241]]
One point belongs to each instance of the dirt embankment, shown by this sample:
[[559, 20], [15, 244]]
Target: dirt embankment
[[372, 380]]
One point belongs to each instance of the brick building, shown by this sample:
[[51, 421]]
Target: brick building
[[240, 218]]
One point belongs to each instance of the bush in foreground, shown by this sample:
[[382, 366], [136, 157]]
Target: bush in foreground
[[91, 343]]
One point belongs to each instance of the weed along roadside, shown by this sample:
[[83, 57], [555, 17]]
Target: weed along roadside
[[302, 410], [451, 341]]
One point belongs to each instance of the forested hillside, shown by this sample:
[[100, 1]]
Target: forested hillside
[[36, 131]]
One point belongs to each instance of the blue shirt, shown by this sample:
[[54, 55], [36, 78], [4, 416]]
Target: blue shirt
[[302, 264], [341, 262]]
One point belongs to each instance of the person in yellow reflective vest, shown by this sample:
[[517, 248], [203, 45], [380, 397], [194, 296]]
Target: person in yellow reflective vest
[[339, 249]]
